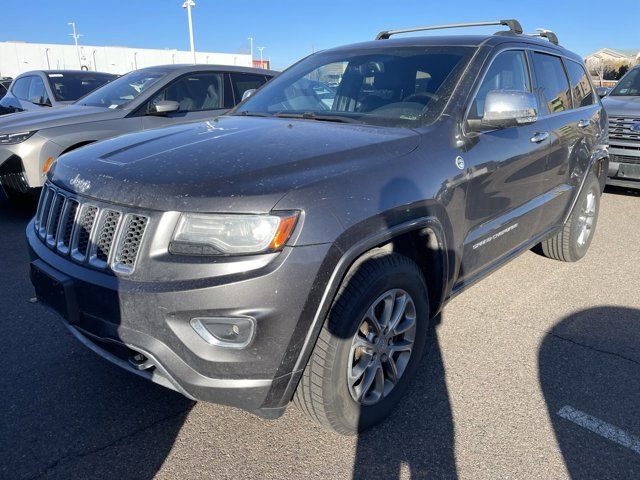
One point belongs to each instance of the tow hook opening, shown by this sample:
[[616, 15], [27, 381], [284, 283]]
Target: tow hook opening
[[140, 361]]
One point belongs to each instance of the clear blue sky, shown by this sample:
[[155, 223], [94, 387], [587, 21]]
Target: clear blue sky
[[289, 29]]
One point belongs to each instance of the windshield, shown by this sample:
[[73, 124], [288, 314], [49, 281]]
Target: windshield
[[628, 86], [69, 87], [404, 86], [123, 90]]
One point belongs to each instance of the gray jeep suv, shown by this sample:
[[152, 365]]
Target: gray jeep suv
[[297, 248], [623, 108]]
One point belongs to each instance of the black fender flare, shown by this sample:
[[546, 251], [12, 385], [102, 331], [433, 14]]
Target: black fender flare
[[285, 383]]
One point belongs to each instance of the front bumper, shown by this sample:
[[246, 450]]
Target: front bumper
[[121, 319], [624, 167], [21, 164]]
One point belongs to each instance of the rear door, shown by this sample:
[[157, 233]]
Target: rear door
[[200, 95], [505, 170], [241, 82], [569, 113]]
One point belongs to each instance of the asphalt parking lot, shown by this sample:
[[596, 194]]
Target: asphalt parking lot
[[533, 373]]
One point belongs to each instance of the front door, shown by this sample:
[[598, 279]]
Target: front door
[[505, 169], [200, 96]]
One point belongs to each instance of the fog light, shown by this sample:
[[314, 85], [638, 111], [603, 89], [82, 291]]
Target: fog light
[[231, 332]]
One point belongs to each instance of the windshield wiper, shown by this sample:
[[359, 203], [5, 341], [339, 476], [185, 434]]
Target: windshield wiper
[[314, 116], [245, 113]]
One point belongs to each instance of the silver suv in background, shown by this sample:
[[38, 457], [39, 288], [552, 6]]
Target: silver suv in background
[[623, 107], [50, 88], [148, 98]]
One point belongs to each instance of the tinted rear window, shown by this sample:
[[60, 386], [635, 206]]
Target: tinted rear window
[[69, 87], [583, 94], [552, 83]]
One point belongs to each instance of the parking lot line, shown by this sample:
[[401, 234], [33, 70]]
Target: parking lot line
[[604, 429]]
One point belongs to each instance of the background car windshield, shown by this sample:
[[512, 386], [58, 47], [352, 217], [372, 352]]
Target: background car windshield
[[628, 86], [382, 86], [122, 90], [69, 87]]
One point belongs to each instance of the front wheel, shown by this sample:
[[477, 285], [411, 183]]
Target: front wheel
[[370, 346], [573, 241]]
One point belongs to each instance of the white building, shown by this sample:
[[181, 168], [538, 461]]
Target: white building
[[618, 55], [19, 57]]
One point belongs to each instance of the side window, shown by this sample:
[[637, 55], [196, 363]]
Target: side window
[[582, 91], [241, 82], [551, 83], [21, 88], [508, 71], [37, 92], [194, 93]]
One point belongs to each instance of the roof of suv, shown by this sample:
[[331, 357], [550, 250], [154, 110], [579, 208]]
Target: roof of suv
[[459, 40], [189, 67]]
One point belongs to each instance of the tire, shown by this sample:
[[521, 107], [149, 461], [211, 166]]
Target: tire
[[325, 394], [573, 241]]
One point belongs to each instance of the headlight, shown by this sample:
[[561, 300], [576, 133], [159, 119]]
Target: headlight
[[13, 138], [220, 234]]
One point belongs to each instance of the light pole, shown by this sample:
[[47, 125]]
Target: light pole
[[95, 64], [189, 4], [251, 48], [260, 49], [75, 35], [46, 52]]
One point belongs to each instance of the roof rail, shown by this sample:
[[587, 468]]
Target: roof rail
[[514, 26]]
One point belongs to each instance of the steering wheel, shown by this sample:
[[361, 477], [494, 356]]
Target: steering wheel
[[421, 97]]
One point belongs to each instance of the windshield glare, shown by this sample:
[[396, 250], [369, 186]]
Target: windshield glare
[[69, 87], [628, 86], [387, 86], [124, 90]]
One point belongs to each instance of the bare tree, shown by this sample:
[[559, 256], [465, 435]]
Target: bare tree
[[597, 66]]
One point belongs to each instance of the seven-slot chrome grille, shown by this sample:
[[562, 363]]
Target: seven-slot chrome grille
[[102, 237], [620, 128]]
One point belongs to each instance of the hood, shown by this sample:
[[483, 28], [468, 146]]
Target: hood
[[619, 106], [233, 164], [55, 117]]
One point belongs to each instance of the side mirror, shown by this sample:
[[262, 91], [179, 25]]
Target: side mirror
[[248, 93], [508, 108], [163, 107], [603, 91]]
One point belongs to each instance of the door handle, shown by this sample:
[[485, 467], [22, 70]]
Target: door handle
[[539, 137], [584, 123]]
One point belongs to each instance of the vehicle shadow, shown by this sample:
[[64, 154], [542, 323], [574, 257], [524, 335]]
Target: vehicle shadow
[[417, 440], [589, 364], [66, 413]]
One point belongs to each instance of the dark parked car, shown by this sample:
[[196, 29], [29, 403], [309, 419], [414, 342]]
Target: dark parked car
[[144, 99], [299, 249], [50, 88], [623, 107]]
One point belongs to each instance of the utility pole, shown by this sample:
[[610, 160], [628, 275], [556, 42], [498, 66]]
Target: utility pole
[[189, 4], [251, 48], [261, 62], [75, 35]]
